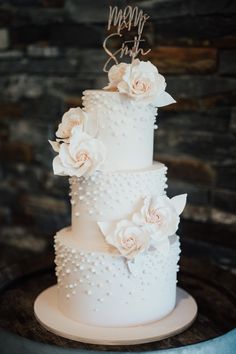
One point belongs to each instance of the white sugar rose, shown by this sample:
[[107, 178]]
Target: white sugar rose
[[129, 239], [161, 215], [82, 156], [115, 75], [71, 118], [142, 82]]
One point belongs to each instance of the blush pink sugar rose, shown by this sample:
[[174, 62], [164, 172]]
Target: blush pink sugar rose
[[140, 81], [82, 156]]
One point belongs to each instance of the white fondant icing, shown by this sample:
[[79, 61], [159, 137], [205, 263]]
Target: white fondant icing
[[113, 195], [108, 196], [97, 284], [124, 126], [115, 295]]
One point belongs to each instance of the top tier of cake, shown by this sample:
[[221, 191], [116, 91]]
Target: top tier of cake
[[125, 127], [114, 130]]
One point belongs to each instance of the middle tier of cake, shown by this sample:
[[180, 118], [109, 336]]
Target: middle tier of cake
[[111, 196]]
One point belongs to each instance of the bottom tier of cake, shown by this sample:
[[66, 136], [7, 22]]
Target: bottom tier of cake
[[104, 289]]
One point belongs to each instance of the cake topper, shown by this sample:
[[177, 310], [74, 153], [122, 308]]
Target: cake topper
[[124, 20]]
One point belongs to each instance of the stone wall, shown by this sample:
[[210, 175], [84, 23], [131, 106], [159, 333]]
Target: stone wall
[[50, 50]]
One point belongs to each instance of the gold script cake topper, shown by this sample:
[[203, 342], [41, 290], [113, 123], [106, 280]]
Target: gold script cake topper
[[125, 19]]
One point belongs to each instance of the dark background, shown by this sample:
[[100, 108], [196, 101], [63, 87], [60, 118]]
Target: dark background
[[51, 50]]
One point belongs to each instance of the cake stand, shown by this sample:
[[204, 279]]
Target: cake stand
[[49, 316]]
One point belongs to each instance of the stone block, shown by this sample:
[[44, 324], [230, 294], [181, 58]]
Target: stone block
[[53, 185], [10, 110], [16, 151], [21, 238], [33, 204], [223, 218], [226, 175], [197, 213], [187, 169], [183, 60], [4, 38], [36, 66], [199, 86], [11, 54], [213, 233], [46, 109], [213, 120], [47, 213], [92, 61], [42, 51], [225, 99], [8, 193], [164, 9], [233, 120], [87, 11], [36, 17], [33, 179], [28, 34], [21, 86], [63, 86], [194, 28], [196, 194], [207, 7], [6, 16], [183, 105], [5, 215], [208, 147], [50, 224], [53, 3], [26, 3], [224, 199], [224, 42], [172, 8], [4, 131], [227, 64], [31, 131], [74, 35]]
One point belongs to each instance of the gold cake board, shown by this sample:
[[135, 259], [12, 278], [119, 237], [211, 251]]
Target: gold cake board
[[49, 316]]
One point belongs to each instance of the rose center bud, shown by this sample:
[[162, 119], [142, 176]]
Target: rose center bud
[[129, 242], [139, 86], [154, 217], [82, 157]]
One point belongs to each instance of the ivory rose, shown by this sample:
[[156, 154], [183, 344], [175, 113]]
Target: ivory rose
[[141, 81], [71, 118], [82, 156], [115, 75], [129, 239], [161, 215], [148, 228]]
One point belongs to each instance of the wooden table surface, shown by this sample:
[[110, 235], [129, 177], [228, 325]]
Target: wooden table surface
[[213, 288]]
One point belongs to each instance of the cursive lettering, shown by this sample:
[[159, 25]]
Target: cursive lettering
[[125, 19], [125, 50]]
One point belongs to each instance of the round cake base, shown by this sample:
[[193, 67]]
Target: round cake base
[[50, 317]]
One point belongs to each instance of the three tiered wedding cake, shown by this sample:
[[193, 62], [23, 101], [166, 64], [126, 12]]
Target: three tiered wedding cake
[[117, 263]]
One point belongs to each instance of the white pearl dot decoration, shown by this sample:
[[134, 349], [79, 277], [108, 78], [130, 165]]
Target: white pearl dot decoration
[[122, 121], [95, 282], [93, 278], [115, 194]]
